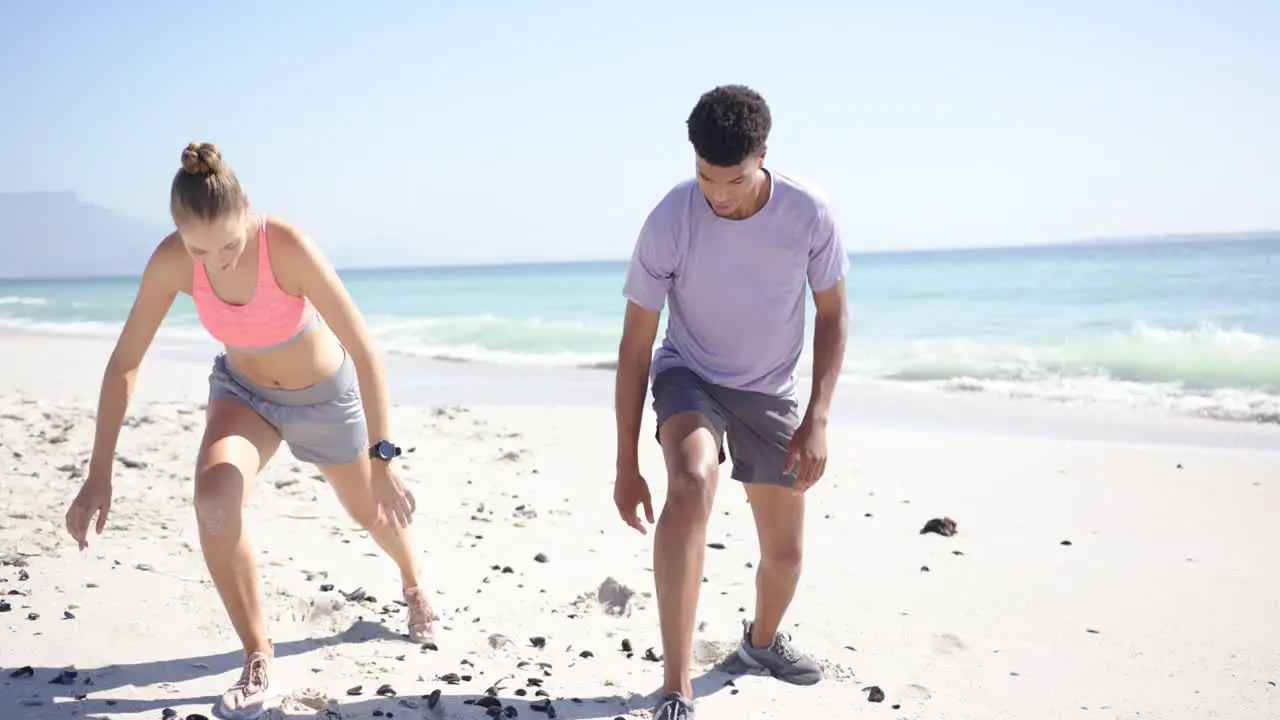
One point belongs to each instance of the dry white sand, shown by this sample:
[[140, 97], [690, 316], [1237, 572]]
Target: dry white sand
[[1165, 604]]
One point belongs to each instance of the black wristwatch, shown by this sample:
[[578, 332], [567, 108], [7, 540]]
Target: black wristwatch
[[384, 450]]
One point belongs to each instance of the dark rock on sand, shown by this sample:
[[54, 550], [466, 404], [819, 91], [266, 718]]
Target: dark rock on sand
[[540, 557], [874, 694], [23, 672], [386, 691], [944, 526]]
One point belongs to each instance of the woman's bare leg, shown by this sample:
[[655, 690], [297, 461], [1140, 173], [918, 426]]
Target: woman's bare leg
[[352, 484], [237, 443]]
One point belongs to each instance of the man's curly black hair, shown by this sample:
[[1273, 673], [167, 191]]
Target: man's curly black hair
[[729, 124]]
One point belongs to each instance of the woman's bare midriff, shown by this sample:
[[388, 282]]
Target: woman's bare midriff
[[300, 364]]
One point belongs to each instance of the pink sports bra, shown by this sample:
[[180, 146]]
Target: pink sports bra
[[271, 319]]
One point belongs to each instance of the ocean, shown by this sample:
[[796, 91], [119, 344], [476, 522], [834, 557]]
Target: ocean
[[1187, 328]]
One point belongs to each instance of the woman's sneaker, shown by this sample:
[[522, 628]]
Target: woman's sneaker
[[422, 619], [248, 698]]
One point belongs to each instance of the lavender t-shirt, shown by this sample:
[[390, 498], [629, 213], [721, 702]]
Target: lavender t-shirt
[[736, 287]]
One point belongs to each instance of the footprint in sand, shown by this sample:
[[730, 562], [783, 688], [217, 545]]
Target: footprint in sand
[[947, 644], [303, 701]]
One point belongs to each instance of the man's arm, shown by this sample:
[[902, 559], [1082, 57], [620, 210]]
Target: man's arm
[[828, 266], [830, 333], [639, 330], [649, 276]]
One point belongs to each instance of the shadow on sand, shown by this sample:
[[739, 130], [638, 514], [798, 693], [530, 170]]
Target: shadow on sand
[[48, 693]]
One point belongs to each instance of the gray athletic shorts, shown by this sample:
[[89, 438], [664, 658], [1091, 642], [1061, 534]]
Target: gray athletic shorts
[[758, 426], [323, 424]]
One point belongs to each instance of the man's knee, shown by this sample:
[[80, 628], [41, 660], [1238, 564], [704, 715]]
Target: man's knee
[[783, 554], [219, 497], [691, 491]]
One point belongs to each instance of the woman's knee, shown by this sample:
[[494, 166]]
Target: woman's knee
[[219, 498]]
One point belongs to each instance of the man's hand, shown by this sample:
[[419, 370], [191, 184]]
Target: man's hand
[[807, 454], [630, 490]]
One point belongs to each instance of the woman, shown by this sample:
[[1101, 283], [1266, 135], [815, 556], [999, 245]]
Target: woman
[[269, 295]]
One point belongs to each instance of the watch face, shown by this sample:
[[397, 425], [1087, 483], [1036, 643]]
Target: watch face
[[385, 450]]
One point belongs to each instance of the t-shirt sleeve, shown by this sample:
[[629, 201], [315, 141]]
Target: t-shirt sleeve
[[653, 262], [828, 262]]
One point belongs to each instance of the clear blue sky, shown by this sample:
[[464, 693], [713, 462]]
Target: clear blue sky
[[525, 130]]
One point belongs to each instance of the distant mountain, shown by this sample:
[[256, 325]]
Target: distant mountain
[[55, 234]]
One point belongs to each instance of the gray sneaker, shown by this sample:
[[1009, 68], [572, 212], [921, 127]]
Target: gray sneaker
[[781, 659], [674, 707]]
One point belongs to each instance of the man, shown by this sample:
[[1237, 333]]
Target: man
[[731, 252]]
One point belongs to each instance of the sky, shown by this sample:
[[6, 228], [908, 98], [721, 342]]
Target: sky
[[507, 131]]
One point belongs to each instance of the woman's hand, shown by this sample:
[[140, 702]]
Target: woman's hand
[[391, 499], [94, 498]]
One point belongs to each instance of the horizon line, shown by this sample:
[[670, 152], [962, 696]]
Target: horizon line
[[1122, 240]]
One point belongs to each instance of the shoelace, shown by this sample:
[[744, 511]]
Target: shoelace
[[674, 709], [254, 676], [782, 646]]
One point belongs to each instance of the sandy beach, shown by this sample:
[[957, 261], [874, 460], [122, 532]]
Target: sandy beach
[[1085, 579]]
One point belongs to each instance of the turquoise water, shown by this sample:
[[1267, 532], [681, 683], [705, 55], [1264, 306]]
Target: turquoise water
[[1191, 328]]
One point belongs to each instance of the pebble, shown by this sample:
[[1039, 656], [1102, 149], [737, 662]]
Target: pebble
[[944, 526], [874, 694], [540, 557]]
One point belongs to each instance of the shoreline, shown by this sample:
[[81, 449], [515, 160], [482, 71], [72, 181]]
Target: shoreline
[[1065, 592], [864, 404]]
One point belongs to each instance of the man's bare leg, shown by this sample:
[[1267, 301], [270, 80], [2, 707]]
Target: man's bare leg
[[691, 448], [779, 516]]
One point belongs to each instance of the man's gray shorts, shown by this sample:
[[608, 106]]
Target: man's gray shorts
[[323, 424], [758, 426]]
